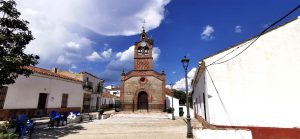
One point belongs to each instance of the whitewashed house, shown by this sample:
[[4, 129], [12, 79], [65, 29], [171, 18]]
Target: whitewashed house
[[177, 107], [92, 87], [108, 100], [175, 104], [259, 87], [42, 92], [114, 90]]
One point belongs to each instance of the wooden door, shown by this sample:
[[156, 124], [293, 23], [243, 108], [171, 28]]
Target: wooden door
[[142, 100], [42, 101]]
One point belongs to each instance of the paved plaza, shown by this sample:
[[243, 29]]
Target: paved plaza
[[121, 126]]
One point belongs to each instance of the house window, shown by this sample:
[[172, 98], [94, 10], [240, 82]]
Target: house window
[[64, 101], [3, 91]]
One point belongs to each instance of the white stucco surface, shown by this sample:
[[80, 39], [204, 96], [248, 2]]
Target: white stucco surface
[[221, 134], [94, 95], [175, 104], [25, 92], [192, 116], [260, 86]]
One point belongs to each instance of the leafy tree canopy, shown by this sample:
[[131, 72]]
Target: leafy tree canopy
[[181, 96], [14, 36]]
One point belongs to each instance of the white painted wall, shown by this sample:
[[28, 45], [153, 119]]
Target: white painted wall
[[198, 99], [175, 104], [95, 81], [222, 134], [192, 116], [25, 92], [260, 86], [113, 91], [107, 100]]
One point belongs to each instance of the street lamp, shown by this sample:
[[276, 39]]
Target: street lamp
[[185, 64], [171, 85]]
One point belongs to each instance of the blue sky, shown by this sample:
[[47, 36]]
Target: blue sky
[[96, 36]]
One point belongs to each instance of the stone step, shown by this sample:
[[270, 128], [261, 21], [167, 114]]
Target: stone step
[[143, 115]]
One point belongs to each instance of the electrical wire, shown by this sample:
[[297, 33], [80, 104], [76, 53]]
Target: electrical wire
[[263, 32], [223, 105]]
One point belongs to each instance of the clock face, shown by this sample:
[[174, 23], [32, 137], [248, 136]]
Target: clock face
[[143, 44]]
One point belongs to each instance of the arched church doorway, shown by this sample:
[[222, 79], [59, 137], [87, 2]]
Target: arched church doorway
[[142, 100]]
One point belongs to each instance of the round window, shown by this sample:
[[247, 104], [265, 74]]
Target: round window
[[143, 80]]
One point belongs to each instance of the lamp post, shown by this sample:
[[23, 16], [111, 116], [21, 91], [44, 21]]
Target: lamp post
[[171, 85], [185, 64]]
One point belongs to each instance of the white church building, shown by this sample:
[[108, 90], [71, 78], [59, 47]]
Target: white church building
[[259, 87]]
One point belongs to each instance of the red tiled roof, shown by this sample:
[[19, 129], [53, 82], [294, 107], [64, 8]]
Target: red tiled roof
[[50, 73]]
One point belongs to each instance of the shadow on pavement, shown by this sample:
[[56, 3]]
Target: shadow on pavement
[[56, 132]]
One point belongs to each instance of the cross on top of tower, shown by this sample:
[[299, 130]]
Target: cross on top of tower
[[144, 34], [144, 22]]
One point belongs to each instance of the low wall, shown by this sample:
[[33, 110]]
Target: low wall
[[5, 114], [222, 134]]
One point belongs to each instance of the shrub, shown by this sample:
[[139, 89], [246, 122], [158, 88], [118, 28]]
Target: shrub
[[181, 112], [170, 110], [4, 133]]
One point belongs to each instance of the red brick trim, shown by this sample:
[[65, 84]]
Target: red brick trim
[[269, 132], [136, 73]]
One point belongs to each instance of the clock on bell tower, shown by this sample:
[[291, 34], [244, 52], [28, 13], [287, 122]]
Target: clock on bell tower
[[143, 53]]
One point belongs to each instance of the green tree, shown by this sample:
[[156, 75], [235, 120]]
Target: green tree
[[14, 36], [181, 96]]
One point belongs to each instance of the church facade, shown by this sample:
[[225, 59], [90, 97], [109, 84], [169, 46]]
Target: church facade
[[142, 88]]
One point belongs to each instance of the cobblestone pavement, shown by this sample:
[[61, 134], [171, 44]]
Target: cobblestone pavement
[[121, 126]]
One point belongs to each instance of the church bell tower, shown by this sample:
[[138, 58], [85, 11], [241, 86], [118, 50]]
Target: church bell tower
[[142, 88], [143, 53]]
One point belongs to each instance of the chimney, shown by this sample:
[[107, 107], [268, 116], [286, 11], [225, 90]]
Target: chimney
[[55, 69]]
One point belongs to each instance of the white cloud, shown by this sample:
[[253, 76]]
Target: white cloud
[[104, 17], [62, 60], [180, 84], [73, 45], [93, 57], [74, 67], [238, 29], [127, 55], [102, 56], [155, 53], [173, 72], [106, 54], [123, 60], [207, 33], [56, 24]]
